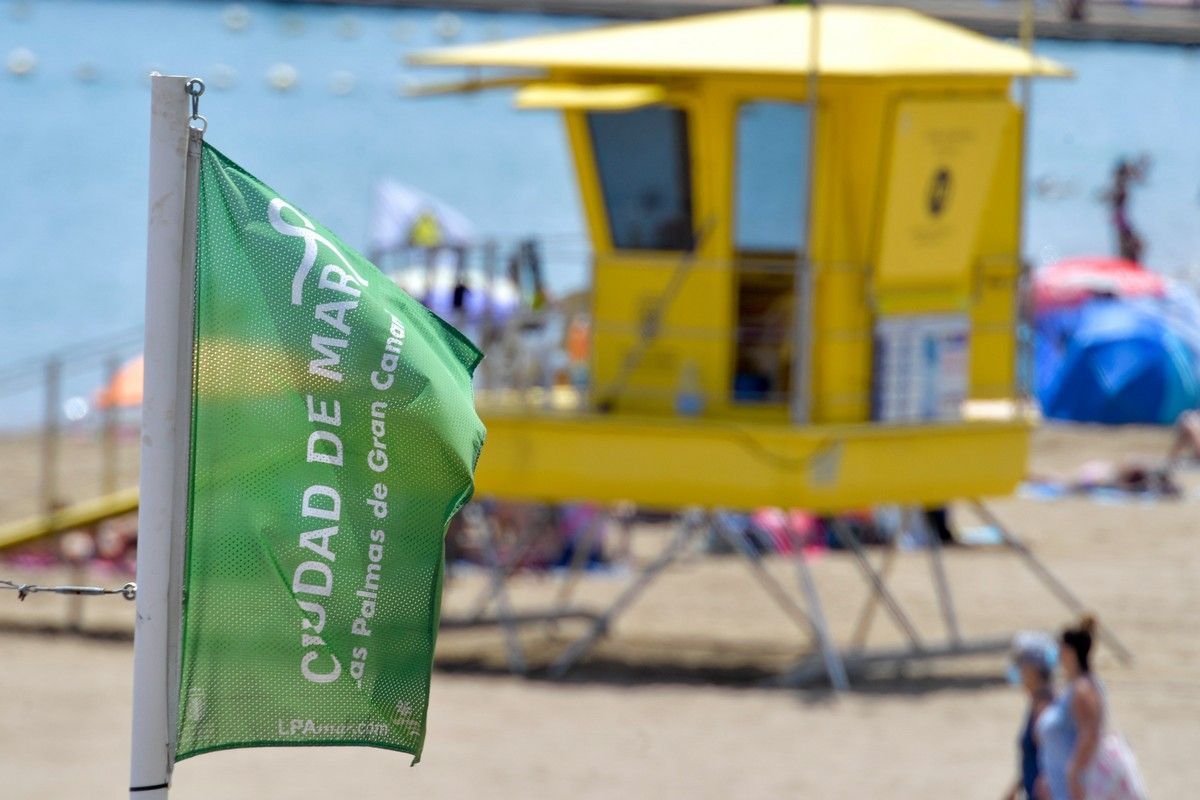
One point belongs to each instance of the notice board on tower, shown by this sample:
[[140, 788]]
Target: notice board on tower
[[940, 167]]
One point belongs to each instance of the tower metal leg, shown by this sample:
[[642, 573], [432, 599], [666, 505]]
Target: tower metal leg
[[834, 667], [601, 625], [1049, 579], [501, 569], [512, 641], [764, 578], [850, 541], [858, 639], [583, 546], [945, 599]]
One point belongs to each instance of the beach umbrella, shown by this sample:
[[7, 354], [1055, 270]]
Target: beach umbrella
[[1123, 363], [460, 296], [125, 388], [404, 217], [1074, 281]]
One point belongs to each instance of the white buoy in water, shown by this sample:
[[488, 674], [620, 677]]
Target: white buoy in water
[[282, 77], [223, 76], [21, 61], [87, 72], [76, 409], [21, 10], [447, 26], [235, 17], [348, 27], [292, 24], [402, 32], [342, 82]]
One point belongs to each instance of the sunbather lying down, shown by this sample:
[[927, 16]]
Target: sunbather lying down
[[1135, 476], [1132, 476]]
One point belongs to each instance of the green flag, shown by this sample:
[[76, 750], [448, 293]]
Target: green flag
[[333, 438]]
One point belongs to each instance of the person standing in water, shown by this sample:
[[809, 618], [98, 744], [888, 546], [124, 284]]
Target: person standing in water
[[1033, 661], [1125, 175]]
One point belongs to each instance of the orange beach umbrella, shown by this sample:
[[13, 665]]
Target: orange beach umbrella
[[125, 389]]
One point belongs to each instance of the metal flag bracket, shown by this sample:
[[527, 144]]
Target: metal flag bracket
[[195, 88]]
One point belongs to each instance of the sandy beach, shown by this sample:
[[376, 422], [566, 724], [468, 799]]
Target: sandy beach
[[82, 462], [675, 704]]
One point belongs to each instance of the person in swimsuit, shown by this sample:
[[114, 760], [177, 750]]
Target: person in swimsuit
[[1125, 175], [1070, 730], [1033, 657]]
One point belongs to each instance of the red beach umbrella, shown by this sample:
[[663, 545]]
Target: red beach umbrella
[[1073, 281]]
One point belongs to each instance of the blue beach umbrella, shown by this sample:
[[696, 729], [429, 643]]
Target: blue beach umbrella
[[1123, 362]]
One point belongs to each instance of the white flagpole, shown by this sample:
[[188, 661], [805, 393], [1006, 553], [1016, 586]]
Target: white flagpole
[[1023, 362], [800, 403], [166, 421]]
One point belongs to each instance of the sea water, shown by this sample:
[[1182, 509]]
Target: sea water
[[73, 142], [1126, 100]]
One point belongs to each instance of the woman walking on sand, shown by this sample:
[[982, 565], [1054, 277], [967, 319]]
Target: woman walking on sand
[[1078, 760], [1033, 661]]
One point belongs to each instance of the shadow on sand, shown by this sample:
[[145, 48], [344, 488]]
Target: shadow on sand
[[751, 668], [726, 667]]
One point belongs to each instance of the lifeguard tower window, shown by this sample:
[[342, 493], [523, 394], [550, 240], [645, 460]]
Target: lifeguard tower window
[[770, 206], [644, 167], [772, 167]]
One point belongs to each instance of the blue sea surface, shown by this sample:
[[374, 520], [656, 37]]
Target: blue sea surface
[[1125, 100], [73, 151]]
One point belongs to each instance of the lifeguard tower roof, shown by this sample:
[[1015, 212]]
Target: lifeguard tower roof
[[855, 42]]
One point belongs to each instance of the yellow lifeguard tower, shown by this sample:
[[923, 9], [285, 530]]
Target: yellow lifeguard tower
[[806, 230], [806, 265]]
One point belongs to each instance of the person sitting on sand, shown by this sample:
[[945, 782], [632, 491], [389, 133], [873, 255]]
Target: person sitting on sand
[[1186, 444], [1033, 657]]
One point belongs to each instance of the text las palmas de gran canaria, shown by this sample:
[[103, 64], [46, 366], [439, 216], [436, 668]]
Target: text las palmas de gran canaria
[[341, 285]]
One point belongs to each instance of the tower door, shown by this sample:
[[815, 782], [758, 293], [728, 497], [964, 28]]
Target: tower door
[[770, 207]]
